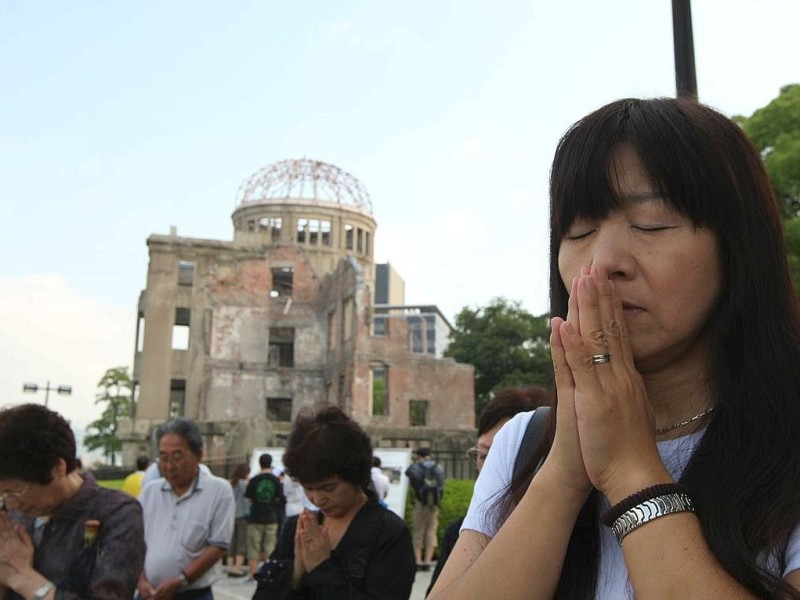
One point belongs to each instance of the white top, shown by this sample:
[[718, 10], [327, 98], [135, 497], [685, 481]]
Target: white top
[[295, 498], [381, 482], [613, 576]]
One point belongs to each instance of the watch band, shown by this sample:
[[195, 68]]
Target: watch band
[[184, 579], [42, 592], [651, 509]]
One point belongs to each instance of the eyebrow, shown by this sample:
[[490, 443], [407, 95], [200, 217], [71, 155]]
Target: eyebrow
[[642, 197], [317, 486]]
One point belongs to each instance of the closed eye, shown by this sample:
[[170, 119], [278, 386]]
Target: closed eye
[[578, 235], [652, 228]]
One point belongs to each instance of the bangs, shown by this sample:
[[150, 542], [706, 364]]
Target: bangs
[[584, 174]]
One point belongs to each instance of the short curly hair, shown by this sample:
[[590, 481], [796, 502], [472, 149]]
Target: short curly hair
[[32, 439], [328, 443]]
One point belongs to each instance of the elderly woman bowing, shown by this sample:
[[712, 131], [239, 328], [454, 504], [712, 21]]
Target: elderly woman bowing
[[61, 535]]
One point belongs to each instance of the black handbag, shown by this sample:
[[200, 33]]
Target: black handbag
[[273, 579]]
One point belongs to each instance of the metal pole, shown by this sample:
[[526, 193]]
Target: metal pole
[[33, 388], [685, 76]]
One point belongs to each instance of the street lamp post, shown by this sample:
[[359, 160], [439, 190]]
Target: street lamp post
[[32, 388], [683, 40]]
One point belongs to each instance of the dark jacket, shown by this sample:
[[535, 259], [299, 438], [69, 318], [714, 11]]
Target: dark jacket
[[110, 568], [374, 559]]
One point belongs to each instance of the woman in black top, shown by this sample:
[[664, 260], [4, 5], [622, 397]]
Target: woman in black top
[[352, 548]]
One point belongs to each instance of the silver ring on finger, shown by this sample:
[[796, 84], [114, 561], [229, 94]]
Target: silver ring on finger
[[599, 359]]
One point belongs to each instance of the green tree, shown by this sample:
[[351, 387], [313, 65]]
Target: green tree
[[506, 344], [116, 394], [775, 131]]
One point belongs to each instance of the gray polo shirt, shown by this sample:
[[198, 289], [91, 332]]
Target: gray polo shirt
[[177, 530]]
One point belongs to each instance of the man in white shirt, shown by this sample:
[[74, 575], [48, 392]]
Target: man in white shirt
[[188, 518]]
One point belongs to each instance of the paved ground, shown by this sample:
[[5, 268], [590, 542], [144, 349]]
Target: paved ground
[[232, 588]]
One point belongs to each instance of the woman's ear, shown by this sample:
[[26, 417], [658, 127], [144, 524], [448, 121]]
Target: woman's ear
[[59, 470]]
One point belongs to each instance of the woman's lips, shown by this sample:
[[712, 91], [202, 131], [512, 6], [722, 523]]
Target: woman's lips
[[630, 309]]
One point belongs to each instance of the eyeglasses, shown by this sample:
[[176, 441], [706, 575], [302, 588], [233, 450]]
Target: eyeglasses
[[476, 456], [176, 458], [6, 496]]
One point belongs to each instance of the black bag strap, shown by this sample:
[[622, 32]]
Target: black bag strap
[[533, 432]]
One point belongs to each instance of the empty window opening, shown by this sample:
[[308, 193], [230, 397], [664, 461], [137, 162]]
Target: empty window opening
[[379, 326], [421, 334], [359, 240], [347, 319], [302, 229], [348, 236], [140, 333], [180, 330], [418, 413], [185, 272], [325, 228], [279, 409], [134, 397], [272, 226], [281, 347], [380, 390], [366, 242], [313, 232], [251, 225], [281, 281], [177, 397]]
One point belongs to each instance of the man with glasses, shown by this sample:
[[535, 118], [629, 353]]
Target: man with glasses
[[498, 411], [61, 535], [188, 518]]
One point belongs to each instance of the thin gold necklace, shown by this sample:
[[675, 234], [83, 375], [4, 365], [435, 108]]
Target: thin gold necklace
[[687, 421]]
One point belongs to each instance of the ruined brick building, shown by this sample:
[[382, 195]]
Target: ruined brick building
[[240, 335]]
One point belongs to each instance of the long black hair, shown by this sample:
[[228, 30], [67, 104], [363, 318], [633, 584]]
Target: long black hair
[[745, 474]]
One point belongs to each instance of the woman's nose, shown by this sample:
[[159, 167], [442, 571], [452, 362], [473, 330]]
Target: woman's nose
[[611, 251]]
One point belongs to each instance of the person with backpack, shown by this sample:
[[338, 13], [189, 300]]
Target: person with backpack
[[426, 477], [266, 501]]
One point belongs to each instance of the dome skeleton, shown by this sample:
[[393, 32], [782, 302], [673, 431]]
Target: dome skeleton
[[304, 178]]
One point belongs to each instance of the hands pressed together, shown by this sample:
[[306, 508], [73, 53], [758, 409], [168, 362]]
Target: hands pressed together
[[16, 551], [312, 546], [605, 424], [166, 590]]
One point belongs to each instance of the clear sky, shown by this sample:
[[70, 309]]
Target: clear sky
[[119, 119]]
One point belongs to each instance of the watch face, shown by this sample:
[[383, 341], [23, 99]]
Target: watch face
[[43, 591]]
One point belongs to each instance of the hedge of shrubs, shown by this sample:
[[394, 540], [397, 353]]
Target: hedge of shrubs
[[455, 501]]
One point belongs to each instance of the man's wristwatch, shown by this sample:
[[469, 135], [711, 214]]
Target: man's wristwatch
[[42, 592], [184, 579]]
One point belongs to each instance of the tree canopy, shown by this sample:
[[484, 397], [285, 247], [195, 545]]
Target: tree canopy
[[506, 344], [775, 131], [116, 389]]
